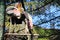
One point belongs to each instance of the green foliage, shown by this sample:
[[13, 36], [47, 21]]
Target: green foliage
[[43, 38], [1, 18], [33, 4], [43, 32], [47, 1], [1, 3], [58, 1], [1, 13], [46, 32]]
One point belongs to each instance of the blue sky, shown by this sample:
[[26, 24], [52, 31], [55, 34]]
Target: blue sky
[[50, 14], [27, 0], [50, 11]]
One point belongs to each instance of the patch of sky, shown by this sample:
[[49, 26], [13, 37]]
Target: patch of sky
[[56, 27], [52, 8], [27, 0], [46, 25], [57, 14], [47, 12], [26, 7], [51, 13], [57, 20], [57, 23], [42, 16], [35, 19], [47, 18]]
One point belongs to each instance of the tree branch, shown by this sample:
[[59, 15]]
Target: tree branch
[[42, 6], [49, 20]]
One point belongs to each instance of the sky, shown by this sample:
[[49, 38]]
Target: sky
[[27, 0], [51, 13]]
